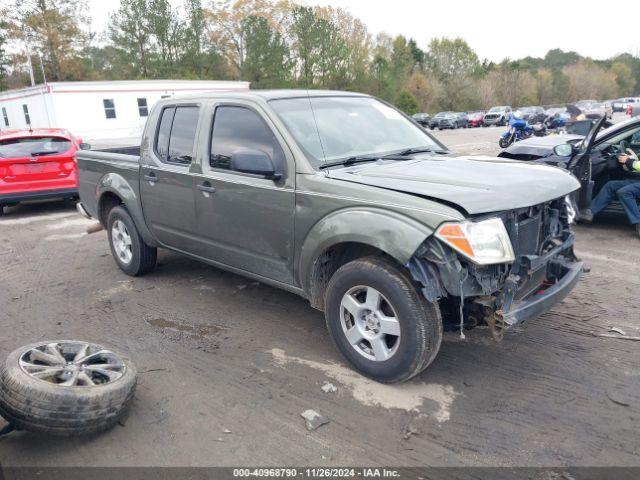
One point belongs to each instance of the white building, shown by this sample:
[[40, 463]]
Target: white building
[[113, 111]]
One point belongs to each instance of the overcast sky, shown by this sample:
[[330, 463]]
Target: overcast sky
[[495, 29]]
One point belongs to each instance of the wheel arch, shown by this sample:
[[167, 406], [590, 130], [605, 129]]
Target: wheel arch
[[113, 190], [354, 233]]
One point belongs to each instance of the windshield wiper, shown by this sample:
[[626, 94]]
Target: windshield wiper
[[41, 154], [349, 161], [413, 151]]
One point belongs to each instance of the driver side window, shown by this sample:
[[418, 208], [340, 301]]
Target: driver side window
[[240, 128]]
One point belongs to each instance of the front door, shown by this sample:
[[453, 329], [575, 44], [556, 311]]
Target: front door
[[245, 220], [581, 166], [166, 183]]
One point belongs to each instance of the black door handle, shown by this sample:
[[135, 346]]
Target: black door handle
[[207, 188], [151, 177]]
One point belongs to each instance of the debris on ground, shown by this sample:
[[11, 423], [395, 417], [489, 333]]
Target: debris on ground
[[619, 398], [408, 431], [226, 430], [329, 387], [313, 419], [617, 330], [621, 337]]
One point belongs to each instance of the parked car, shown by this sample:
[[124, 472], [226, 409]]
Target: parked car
[[622, 104], [497, 116], [452, 121], [422, 118], [435, 120], [379, 226], [37, 164], [475, 118], [592, 158], [533, 114], [597, 110]]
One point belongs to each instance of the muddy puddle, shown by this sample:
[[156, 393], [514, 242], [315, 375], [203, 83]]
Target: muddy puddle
[[197, 330]]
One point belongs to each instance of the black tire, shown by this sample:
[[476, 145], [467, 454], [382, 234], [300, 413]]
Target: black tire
[[144, 257], [420, 320], [1, 210], [40, 406], [505, 142]]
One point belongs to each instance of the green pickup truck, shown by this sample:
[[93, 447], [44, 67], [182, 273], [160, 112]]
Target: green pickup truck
[[344, 200]]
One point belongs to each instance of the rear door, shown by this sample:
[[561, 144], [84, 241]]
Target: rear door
[[166, 182], [37, 163]]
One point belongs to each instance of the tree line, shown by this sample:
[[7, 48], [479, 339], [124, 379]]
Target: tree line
[[282, 44]]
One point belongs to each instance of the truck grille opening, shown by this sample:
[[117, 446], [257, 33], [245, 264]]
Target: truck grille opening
[[533, 229]]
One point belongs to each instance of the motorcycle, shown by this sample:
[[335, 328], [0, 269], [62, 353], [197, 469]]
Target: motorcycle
[[519, 129]]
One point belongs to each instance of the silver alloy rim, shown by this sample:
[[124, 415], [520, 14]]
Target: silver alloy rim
[[72, 364], [370, 323], [121, 241]]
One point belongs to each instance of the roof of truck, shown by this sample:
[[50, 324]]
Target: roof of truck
[[276, 94]]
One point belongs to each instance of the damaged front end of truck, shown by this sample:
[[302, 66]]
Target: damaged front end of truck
[[534, 267]]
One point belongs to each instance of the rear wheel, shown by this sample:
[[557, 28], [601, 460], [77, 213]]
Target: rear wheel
[[380, 322], [133, 256], [1, 210]]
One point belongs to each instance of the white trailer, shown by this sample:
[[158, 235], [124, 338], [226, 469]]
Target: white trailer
[[100, 112]]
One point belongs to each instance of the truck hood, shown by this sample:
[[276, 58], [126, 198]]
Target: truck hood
[[477, 184]]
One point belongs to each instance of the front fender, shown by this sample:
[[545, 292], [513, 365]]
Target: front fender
[[116, 184], [395, 234]]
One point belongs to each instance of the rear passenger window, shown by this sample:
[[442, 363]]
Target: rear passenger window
[[176, 135], [237, 128]]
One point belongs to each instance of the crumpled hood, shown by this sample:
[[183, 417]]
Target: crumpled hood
[[478, 184]]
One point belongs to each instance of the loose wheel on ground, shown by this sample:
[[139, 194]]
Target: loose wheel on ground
[[65, 388]]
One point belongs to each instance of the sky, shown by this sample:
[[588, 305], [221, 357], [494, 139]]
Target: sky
[[495, 29]]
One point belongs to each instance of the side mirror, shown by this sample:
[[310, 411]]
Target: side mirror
[[563, 150], [255, 162], [85, 146]]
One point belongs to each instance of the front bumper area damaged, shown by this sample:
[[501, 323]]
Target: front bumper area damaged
[[500, 296]]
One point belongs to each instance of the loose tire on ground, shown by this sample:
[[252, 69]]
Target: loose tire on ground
[[139, 258], [33, 395], [420, 323]]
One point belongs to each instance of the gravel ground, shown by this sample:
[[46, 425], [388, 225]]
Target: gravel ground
[[228, 365]]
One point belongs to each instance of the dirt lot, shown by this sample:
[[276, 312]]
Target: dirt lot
[[217, 352]]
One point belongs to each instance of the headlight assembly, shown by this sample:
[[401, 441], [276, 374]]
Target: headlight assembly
[[484, 243]]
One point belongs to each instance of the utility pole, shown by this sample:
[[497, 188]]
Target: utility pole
[[33, 80]]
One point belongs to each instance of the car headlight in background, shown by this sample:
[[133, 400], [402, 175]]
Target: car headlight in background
[[484, 243]]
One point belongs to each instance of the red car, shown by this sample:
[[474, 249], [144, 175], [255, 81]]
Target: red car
[[37, 164], [475, 119]]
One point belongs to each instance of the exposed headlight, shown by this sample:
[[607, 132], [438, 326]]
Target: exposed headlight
[[484, 243]]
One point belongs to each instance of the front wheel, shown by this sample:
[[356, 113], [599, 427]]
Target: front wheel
[[504, 142], [133, 256], [380, 322]]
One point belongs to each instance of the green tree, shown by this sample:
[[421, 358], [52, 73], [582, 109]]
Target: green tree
[[407, 102], [4, 56], [266, 61], [557, 58], [130, 34], [624, 78], [52, 28], [455, 65]]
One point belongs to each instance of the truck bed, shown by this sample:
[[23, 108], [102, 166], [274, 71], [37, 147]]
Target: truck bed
[[104, 168]]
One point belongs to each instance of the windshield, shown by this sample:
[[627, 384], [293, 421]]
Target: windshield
[[497, 109], [29, 147], [336, 128]]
